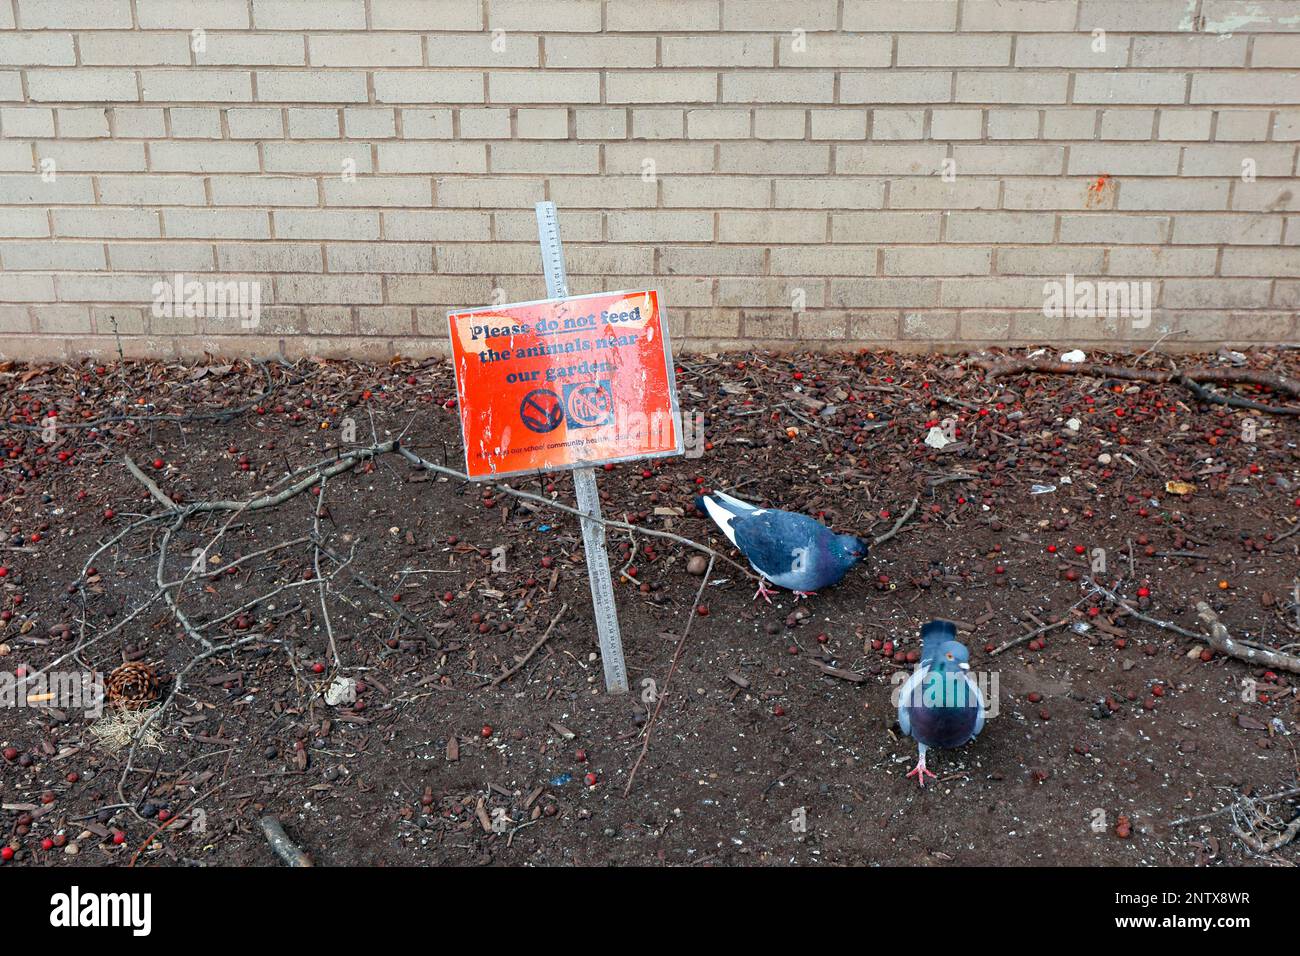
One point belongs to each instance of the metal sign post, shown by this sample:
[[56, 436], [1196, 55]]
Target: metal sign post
[[584, 483]]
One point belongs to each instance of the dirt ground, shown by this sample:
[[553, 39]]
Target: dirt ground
[[1103, 736]]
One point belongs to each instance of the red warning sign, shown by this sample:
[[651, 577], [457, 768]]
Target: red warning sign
[[559, 383]]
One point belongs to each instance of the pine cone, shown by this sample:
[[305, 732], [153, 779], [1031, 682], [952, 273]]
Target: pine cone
[[132, 686]]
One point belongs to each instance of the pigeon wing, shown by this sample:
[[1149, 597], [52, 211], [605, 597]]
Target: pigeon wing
[[722, 518], [777, 543]]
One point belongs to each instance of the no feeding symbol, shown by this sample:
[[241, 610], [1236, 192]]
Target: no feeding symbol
[[564, 368]]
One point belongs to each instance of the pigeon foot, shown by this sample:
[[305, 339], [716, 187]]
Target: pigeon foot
[[763, 591], [803, 594], [920, 772]]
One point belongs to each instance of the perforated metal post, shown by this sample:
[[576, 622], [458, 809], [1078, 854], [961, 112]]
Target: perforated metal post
[[584, 483]]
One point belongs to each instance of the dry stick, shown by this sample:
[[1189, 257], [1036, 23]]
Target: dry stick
[[1220, 641], [1193, 380], [375, 589], [1032, 634], [1271, 844], [284, 848], [500, 678], [672, 669], [1293, 792], [903, 519], [415, 459], [140, 476], [315, 559]]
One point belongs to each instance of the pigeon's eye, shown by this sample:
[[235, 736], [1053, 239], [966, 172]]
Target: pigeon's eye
[[950, 657]]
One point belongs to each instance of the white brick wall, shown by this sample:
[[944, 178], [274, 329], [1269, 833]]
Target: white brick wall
[[910, 171]]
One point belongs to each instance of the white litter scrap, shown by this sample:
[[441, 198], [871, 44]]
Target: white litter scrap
[[936, 438], [1074, 357], [342, 690]]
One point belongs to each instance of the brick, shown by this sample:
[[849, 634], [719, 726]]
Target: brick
[[482, 192], [1130, 87], [659, 226], [37, 49], [325, 224], [1127, 124], [1265, 196], [20, 223], [1261, 262], [770, 293], [434, 225], [82, 85], [143, 190], [474, 124], [195, 123], [314, 86], [144, 122], [221, 86], [659, 87], [1162, 194], [844, 260], [1124, 16], [1245, 87], [88, 123], [432, 158], [248, 49], [256, 122], [317, 15], [1024, 87], [269, 257], [920, 160], [889, 16], [484, 51], [651, 124], [779, 15], [886, 87], [1160, 261], [1194, 51], [839, 124], [882, 293], [112, 222], [328, 289], [202, 157], [1274, 51], [318, 157], [1185, 125], [834, 50], [1020, 16], [562, 88], [263, 191], [937, 261], [11, 86], [897, 124], [35, 191], [710, 50], [1272, 159], [717, 124], [216, 224], [311, 123], [1215, 293], [406, 191], [1018, 227], [1242, 126], [1050, 261], [560, 16], [544, 158], [656, 16], [365, 122], [955, 124], [1071, 51], [767, 226], [884, 227], [26, 121], [999, 292], [1057, 194], [1090, 159], [658, 158], [931, 193], [1069, 124], [1228, 229], [1255, 16], [840, 193], [75, 14], [954, 50], [711, 260], [793, 158], [160, 257], [190, 14], [375, 49], [421, 14], [1013, 124], [780, 124], [17, 156], [107, 156], [1114, 229]]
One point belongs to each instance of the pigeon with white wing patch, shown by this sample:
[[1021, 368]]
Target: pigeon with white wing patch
[[791, 550]]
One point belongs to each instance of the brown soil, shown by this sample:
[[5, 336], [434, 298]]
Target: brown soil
[[1126, 727]]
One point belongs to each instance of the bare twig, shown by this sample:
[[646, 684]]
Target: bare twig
[[501, 678]]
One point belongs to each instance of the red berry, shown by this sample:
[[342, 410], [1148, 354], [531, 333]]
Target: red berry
[[6, 853], [580, 756], [318, 668], [47, 844], [590, 779], [109, 513], [118, 837], [1144, 592], [158, 463], [702, 610], [11, 754], [778, 711], [486, 732]]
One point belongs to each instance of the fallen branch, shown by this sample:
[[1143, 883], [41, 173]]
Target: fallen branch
[[898, 525], [1028, 637], [663, 691], [501, 678], [284, 848], [1193, 380], [1274, 842], [1222, 642]]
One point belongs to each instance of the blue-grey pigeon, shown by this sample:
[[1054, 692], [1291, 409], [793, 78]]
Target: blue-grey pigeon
[[791, 550], [940, 705]]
